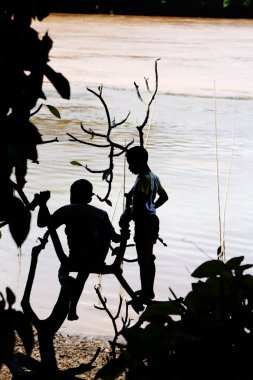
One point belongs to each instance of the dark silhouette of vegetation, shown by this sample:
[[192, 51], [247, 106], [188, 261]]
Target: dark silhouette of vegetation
[[47, 328], [13, 322], [182, 8], [23, 66], [206, 335]]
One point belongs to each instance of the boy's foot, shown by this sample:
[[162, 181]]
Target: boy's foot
[[72, 316], [136, 305], [145, 299], [113, 268]]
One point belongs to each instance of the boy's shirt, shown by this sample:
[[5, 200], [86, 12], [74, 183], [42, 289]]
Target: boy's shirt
[[145, 189], [88, 229]]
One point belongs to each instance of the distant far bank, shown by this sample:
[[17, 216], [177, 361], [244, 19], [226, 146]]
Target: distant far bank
[[177, 8]]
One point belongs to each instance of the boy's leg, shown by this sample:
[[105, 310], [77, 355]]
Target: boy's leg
[[146, 261], [146, 233], [63, 273], [78, 289]]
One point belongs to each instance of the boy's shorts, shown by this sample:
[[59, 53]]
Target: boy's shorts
[[147, 229]]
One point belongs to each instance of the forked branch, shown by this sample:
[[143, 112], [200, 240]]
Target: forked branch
[[153, 95], [107, 174], [125, 321]]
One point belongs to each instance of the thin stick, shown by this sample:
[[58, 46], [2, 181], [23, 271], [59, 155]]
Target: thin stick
[[121, 289], [116, 203], [122, 187], [100, 286], [124, 181], [217, 164], [149, 126], [228, 178]]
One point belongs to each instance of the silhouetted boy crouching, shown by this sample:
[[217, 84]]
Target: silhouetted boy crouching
[[143, 205], [89, 234]]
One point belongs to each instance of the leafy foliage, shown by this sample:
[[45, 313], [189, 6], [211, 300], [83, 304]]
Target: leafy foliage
[[206, 335], [23, 66]]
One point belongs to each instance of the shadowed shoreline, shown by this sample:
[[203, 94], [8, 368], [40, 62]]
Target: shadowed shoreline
[[71, 350]]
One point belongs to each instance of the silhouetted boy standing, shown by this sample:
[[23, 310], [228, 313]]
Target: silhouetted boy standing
[[143, 212]]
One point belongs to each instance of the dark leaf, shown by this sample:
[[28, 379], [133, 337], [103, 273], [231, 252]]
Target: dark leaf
[[54, 111], [60, 83], [11, 298], [234, 262], [19, 222], [209, 268], [76, 163]]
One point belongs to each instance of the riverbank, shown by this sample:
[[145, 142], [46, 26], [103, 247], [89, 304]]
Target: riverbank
[[171, 8], [71, 351]]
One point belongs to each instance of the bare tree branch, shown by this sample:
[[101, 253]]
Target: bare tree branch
[[107, 174], [125, 321], [146, 118]]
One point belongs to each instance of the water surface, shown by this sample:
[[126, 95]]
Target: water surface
[[205, 85]]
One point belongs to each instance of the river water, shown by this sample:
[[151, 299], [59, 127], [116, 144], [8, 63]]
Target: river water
[[201, 119]]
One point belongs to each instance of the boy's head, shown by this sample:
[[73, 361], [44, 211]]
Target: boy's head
[[137, 158], [81, 191]]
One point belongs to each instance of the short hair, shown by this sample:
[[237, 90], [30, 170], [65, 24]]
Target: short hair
[[137, 153], [81, 188]]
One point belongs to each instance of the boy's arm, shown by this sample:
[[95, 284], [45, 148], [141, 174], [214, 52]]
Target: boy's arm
[[45, 219], [43, 214], [127, 216], [162, 198], [139, 204]]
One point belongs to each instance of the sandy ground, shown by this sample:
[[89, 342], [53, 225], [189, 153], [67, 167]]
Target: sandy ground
[[72, 351]]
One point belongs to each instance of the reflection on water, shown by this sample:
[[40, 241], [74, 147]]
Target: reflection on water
[[116, 51]]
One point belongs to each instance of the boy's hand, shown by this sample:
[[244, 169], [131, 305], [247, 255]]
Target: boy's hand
[[125, 218], [125, 234], [43, 197], [39, 199]]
